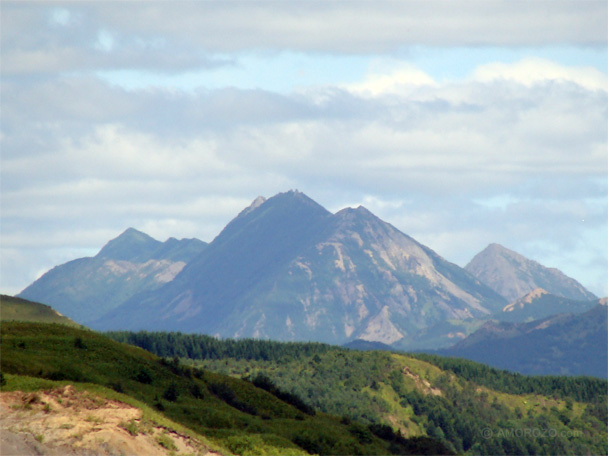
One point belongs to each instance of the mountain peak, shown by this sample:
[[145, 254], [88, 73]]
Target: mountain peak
[[359, 212], [130, 244], [497, 249], [512, 275]]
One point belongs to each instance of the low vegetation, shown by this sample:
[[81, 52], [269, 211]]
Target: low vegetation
[[234, 414]]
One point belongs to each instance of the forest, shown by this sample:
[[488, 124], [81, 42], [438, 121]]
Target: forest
[[469, 407]]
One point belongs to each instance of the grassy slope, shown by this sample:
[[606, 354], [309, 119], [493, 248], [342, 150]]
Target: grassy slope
[[419, 397], [17, 309], [231, 412]]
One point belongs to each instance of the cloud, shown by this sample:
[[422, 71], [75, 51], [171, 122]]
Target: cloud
[[42, 39], [401, 81], [46, 38], [531, 71], [512, 152], [466, 136], [360, 27]]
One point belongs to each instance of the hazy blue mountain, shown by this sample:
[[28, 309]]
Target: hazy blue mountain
[[564, 344], [540, 303], [286, 268], [512, 275], [131, 245], [86, 288]]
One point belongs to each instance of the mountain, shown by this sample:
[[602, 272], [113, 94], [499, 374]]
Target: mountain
[[286, 268], [512, 275], [563, 344], [540, 303], [86, 288]]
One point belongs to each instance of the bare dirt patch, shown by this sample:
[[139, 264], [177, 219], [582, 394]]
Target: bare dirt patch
[[422, 384], [64, 421]]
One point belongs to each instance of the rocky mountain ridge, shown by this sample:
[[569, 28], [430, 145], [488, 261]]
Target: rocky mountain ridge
[[285, 268], [86, 288]]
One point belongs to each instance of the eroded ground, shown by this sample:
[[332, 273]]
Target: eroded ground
[[67, 422]]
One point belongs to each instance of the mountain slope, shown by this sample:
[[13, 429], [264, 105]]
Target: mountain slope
[[362, 279], [86, 288], [563, 344], [258, 242], [512, 275], [288, 269]]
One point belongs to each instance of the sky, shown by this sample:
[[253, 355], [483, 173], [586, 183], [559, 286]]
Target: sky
[[462, 123]]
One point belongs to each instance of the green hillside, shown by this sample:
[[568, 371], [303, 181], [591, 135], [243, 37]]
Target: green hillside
[[17, 309], [472, 408], [234, 414]]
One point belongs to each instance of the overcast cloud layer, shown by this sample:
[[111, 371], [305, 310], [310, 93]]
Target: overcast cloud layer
[[172, 116]]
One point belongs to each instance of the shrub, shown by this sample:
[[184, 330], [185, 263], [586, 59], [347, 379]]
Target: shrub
[[159, 406], [130, 427], [166, 442], [79, 343], [171, 393], [116, 386], [144, 376], [246, 445], [196, 391]]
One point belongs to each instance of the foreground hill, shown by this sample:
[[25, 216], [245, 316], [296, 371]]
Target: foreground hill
[[564, 344], [287, 268], [87, 288], [235, 415], [512, 275], [17, 309], [471, 408]]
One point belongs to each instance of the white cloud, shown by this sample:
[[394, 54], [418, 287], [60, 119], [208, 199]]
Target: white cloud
[[401, 81], [531, 71], [83, 159], [175, 36]]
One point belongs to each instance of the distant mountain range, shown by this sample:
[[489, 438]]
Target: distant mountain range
[[287, 269], [87, 288], [563, 344]]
